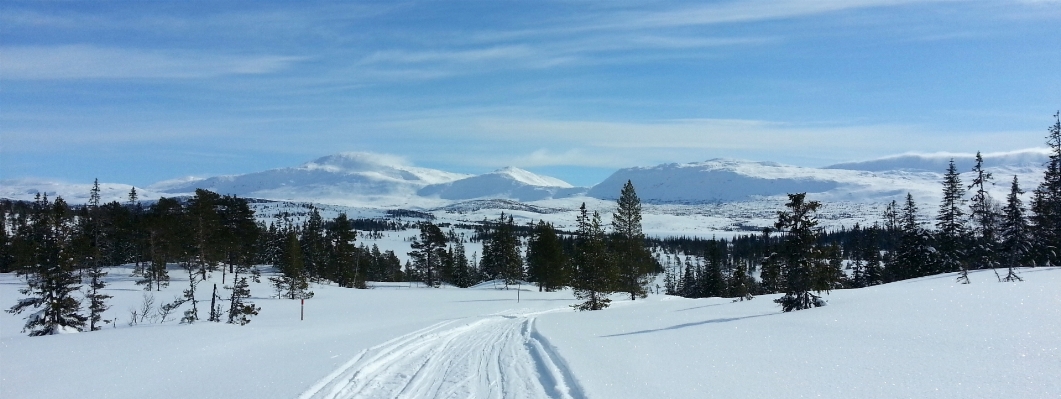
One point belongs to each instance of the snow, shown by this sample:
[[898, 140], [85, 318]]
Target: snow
[[718, 196], [918, 338], [506, 183], [936, 162]]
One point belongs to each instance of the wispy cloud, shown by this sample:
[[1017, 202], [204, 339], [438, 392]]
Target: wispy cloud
[[78, 62]]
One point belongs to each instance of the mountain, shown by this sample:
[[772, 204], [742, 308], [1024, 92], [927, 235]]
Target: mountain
[[726, 180], [938, 162], [507, 183], [716, 180], [350, 177]]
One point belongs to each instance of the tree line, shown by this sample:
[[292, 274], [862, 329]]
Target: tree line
[[971, 231]]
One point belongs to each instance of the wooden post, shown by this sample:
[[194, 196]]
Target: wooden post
[[302, 316]]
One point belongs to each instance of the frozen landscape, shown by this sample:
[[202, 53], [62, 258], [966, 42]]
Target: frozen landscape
[[530, 199], [928, 337]]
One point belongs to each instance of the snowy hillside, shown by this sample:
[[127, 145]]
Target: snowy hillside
[[507, 183], [72, 193], [923, 338]]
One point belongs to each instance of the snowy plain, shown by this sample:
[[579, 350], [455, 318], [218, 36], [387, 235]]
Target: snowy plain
[[923, 338]]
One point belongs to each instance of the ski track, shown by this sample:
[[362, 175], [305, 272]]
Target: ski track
[[496, 356]]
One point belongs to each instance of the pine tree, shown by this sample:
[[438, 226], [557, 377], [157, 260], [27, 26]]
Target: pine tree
[[546, 261], [240, 311], [344, 256], [634, 262], [1046, 203], [804, 266], [1016, 243], [950, 227], [594, 274], [427, 253]]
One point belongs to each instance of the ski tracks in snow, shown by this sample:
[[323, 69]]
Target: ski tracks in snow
[[498, 356]]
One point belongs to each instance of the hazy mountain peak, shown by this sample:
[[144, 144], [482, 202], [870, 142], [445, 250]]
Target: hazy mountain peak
[[531, 178]]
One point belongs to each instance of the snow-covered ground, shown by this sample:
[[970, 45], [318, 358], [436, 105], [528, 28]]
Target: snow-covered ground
[[926, 338]]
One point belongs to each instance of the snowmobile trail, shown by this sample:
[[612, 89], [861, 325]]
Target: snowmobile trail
[[496, 356]]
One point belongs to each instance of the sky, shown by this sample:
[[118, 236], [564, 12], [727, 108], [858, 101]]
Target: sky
[[138, 92]]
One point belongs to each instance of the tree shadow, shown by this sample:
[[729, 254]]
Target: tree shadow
[[684, 325], [700, 307]]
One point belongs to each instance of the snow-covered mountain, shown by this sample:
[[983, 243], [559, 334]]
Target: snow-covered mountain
[[938, 162], [373, 181], [348, 178], [507, 183], [726, 180]]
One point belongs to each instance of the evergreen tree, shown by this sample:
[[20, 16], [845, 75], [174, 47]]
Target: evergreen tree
[[950, 228], [984, 218], [770, 274], [240, 311], [1046, 203], [1016, 243], [344, 256], [502, 257], [740, 283], [92, 230], [427, 253], [914, 256], [546, 261], [50, 280], [292, 282], [804, 266], [634, 262], [594, 272]]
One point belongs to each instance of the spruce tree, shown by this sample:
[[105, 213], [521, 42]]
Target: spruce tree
[[594, 274], [804, 265], [92, 230], [50, 278], [950, 228], [740, 283], [914, 256], [1016, 243], [634, 262], [984, 218], [1046, 203]]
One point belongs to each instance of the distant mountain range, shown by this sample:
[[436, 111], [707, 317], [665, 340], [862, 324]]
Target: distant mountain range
[[379, 181]]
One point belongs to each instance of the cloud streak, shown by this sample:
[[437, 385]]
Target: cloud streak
[[91, 62]]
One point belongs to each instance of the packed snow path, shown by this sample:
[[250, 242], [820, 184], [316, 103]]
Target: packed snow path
[[497, 356]]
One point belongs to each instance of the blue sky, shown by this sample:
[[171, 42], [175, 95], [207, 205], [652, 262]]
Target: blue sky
[[137, 92]]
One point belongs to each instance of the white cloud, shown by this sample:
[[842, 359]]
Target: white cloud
[[91, 62]]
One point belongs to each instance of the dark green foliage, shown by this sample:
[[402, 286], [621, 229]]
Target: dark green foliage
[[914, 256], [1016, 249], [634, 262], [547, 264], [502, 257], [805, 266], [983, 217], [1046, 203], [950, 238], [49, 274], [594, 272], [429, 249]]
